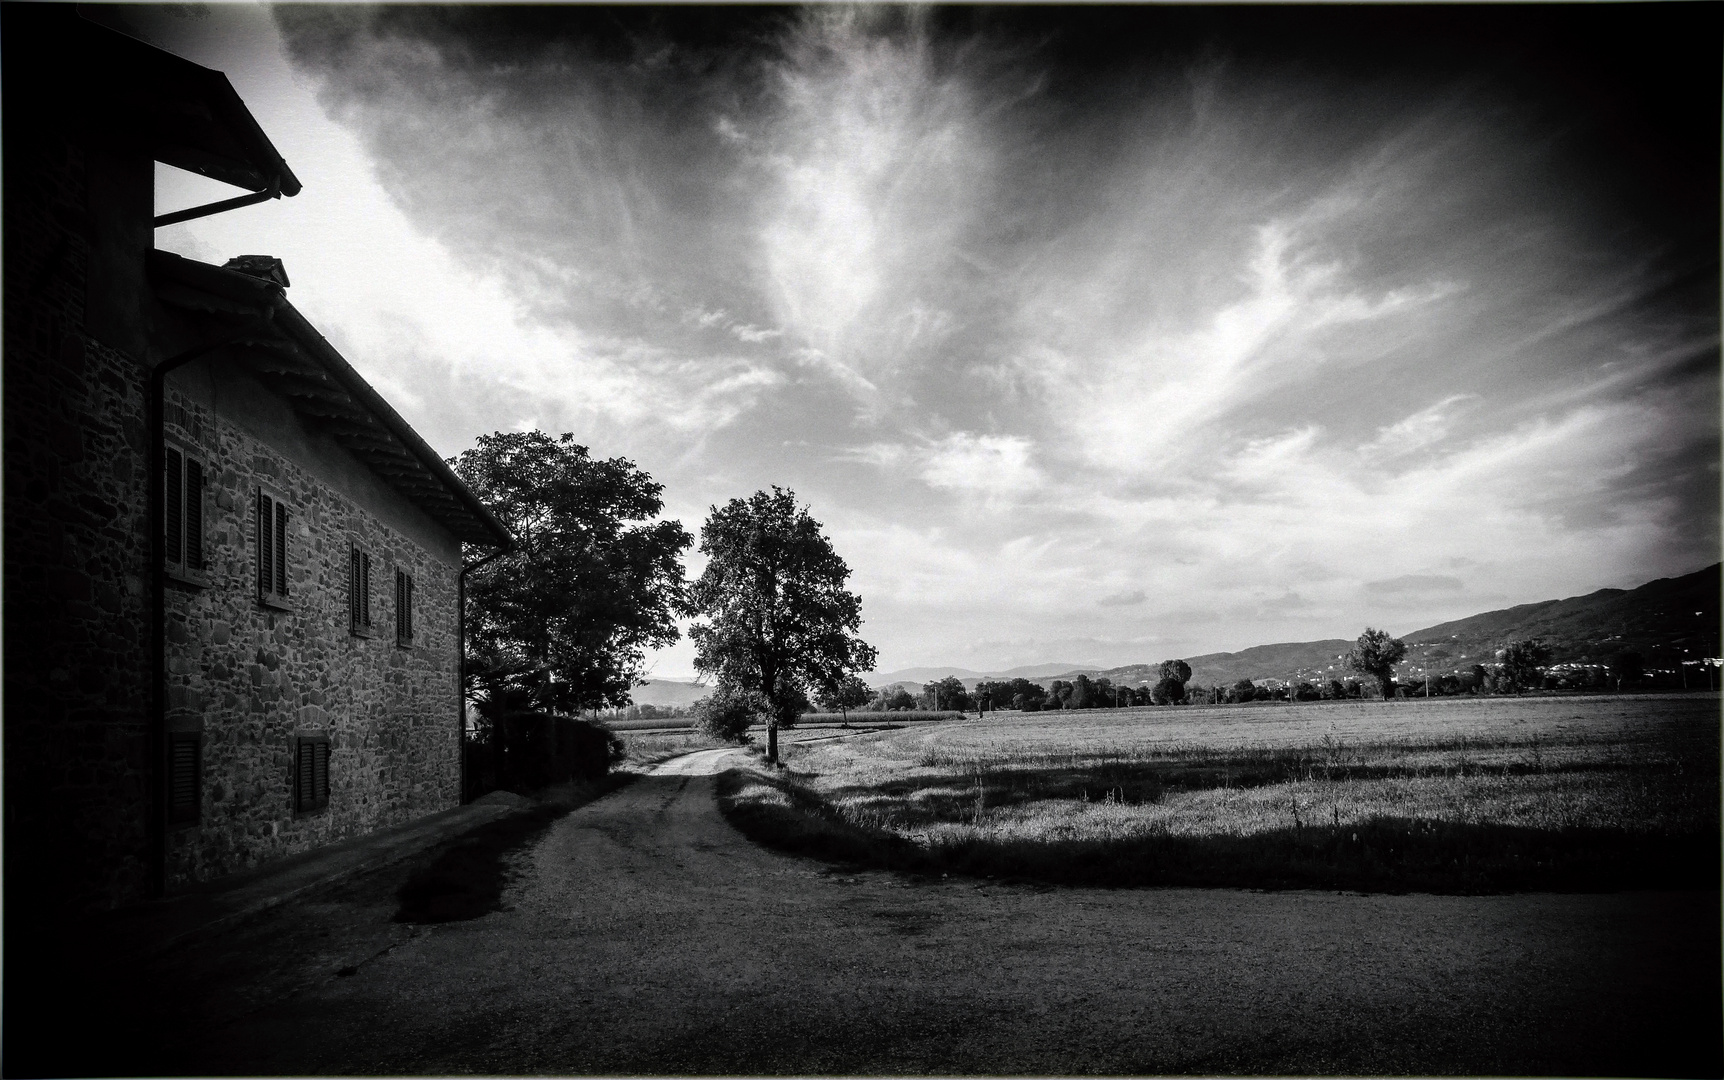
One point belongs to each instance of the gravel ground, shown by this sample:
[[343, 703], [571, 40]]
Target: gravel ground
[[644, 935]]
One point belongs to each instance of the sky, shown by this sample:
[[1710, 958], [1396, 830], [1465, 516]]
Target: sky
[[1090, 335]]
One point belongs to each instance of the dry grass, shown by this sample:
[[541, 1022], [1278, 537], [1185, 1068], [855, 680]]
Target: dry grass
[[1574, 793]]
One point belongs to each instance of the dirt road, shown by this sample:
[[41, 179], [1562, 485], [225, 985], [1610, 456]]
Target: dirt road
[[647, 936]]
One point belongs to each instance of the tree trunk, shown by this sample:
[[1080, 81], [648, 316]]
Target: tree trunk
[[772, 741]]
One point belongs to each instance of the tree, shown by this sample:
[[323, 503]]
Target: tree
[[1627, 667], [1243, 690], [849, 693], [898, 700], [777, 612], [1376, 654], [1170, 687], [1059, 695], [562, 622], [947, 693], [1522, 663]]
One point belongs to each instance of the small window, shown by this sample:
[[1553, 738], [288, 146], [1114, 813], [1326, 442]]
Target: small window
[[271, 550], [183, 548], [403, 607], [185, 777], [311, 774], [359, 592]]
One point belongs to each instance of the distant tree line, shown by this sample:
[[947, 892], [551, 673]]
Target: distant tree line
[[1522, 665]]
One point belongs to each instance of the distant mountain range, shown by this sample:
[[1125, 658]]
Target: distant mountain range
[[920, 675], [656, 691], [1666, 621]]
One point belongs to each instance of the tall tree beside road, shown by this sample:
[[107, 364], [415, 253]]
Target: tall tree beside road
[[1376, 654], [777, 614], [562, 622]]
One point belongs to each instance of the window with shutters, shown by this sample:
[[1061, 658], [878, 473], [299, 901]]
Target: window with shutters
[[269, 523], [183, 517], [310, 773], [185, 777], [403, 607], [359, 592]]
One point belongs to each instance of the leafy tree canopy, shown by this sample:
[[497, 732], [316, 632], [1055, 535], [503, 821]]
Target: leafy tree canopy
[[1627, 668], [776, 611], [1177, 670], [1376, 654], [563, 621], [850, 693], [1523, 663]]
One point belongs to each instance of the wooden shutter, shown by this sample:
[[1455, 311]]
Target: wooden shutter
[[320, 773], [302, 776], [280, 549], [176, 500], [403, 607], [365, 589], [265, 544], [311, 774], [185, 779], [353, 588], [194, 514]]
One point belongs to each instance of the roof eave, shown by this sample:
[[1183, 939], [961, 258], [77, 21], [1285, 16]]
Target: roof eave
[[239, 293]]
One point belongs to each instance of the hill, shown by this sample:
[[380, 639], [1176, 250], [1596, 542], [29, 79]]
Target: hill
[[1659, 620], [1665, 621]]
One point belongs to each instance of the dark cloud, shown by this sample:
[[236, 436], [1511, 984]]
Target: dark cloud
[[1186, 259]]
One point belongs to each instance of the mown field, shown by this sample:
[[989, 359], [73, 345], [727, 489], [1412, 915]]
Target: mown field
[[1466, 795], [648, 742]]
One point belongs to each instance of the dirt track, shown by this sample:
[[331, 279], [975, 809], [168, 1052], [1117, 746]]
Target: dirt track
[[647, 936]]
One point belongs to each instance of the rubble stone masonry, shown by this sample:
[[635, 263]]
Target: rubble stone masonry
[[77, 602], [253, 678], [249, 678]]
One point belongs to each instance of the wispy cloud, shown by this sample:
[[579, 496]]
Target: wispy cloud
[[1170, 349]]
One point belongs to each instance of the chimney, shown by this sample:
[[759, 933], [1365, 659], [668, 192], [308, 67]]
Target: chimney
[[267, 267]]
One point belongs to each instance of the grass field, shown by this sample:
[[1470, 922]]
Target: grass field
[[647, 746], [1446, 795]]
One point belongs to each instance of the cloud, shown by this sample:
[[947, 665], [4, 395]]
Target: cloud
[[1247, 323], [1422, 429], [1415, 584], [1123, 599], [987, 465]]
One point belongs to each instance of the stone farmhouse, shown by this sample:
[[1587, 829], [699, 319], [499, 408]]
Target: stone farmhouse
[[232, 571]]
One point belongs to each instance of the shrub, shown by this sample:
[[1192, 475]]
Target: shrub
[[540, 749], [729, 711]]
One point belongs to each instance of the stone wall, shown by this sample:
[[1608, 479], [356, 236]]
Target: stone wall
[[78, 774], [252, 679], [76, 613]]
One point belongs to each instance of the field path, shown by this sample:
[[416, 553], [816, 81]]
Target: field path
[[646, 936]]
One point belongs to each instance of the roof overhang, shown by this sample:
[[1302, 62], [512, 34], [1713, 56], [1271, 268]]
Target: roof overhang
[[69, 68], [265, 333]]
